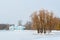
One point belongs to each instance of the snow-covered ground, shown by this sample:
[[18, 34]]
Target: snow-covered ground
[[28, 35], [54, 35]]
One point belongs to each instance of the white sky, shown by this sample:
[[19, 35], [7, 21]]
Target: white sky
[[13, 10]]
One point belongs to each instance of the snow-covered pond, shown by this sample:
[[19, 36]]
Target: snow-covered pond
[[28, 35]]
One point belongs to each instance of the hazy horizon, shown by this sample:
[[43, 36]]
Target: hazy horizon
[[13, 10]]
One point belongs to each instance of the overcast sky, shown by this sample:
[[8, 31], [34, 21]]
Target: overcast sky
[[13, 10]]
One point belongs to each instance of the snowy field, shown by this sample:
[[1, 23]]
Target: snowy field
[[28, 35]]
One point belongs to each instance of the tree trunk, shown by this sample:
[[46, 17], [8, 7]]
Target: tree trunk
[[38, 30]]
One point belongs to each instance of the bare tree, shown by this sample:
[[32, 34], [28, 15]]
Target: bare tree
[[19, 23], [43, 20], [28, 25]]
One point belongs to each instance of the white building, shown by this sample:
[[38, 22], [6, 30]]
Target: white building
[[16, 27]]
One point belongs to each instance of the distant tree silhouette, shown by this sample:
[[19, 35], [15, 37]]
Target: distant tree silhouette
[[19, 23], [28, 25]]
